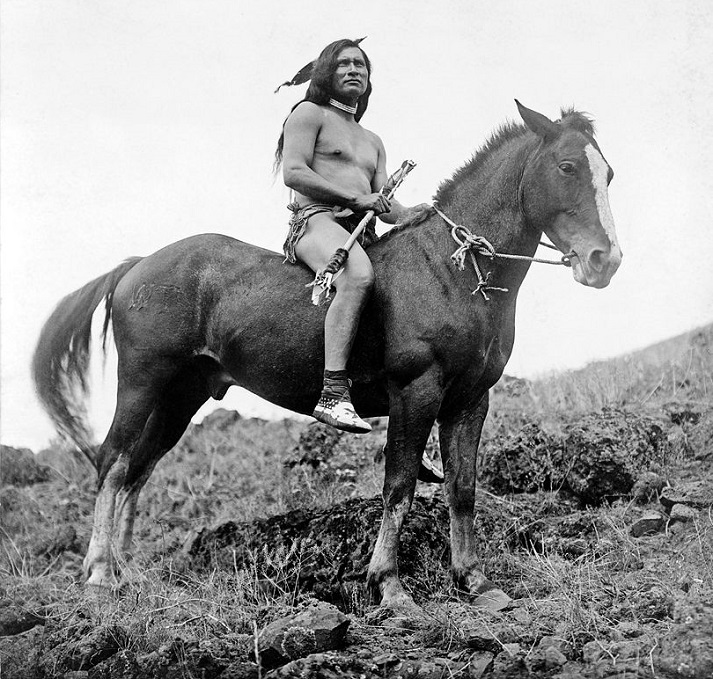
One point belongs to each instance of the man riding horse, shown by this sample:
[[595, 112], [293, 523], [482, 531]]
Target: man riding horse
[[336, 169]]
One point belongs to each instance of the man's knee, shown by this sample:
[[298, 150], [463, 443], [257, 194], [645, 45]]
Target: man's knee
[[359, 278]]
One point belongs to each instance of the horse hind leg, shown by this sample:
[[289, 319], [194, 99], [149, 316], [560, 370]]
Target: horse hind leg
[[133, 409], [178, 402]]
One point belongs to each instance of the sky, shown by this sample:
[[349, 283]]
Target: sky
[[127, 126]]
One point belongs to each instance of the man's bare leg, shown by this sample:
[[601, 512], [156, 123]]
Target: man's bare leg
[[322, 237]]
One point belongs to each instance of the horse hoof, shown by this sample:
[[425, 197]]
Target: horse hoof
[[102, 578]]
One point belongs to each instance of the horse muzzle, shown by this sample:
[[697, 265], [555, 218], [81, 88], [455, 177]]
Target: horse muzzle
[[597, 267]]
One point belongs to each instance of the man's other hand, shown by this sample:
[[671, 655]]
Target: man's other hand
[[371, 201]]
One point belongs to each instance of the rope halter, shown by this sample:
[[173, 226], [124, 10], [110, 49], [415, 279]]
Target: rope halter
[[469, 244]]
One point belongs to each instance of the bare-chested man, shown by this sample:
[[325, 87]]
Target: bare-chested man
[[336, 169]]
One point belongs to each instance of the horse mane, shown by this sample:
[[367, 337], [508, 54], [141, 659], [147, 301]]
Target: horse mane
[[502, 135], [569, 117]]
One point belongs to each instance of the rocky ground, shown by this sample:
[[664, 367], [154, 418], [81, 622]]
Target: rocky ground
[[254, 540]]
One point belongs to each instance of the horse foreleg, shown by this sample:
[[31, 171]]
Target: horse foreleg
[[459, 436], [412, 412]]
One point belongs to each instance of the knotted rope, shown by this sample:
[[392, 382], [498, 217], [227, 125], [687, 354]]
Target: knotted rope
[[470, 244]]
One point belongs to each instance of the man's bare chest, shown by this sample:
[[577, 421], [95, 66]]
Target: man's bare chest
[[350, 144]]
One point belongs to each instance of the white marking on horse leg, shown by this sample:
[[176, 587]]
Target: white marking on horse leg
[[98, 563], [126, 502], [600, 173], [383, 569]]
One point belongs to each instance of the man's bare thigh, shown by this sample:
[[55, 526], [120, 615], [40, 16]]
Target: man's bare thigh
[[321, 238]]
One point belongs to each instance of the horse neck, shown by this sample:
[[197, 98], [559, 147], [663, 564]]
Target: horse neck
[[487, 201]]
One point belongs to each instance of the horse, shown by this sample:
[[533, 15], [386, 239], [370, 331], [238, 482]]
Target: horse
[[209, 312]]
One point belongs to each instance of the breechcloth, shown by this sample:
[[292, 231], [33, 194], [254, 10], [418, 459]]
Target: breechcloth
[[301, 215]]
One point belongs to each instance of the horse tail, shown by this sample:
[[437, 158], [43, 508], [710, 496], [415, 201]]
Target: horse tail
[[61, 359]]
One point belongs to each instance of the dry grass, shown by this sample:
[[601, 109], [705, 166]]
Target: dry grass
[[212, 477]]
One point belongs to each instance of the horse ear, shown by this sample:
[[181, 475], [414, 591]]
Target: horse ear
[[539, 124]]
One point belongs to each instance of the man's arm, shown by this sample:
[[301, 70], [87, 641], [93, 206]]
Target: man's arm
[[301, 131], [399, 214]]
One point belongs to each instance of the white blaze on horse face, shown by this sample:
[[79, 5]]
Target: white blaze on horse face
[[600, 173]]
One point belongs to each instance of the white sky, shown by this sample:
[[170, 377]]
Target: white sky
[[126, 126]]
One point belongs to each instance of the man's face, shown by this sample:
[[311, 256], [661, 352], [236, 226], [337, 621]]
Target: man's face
[[351, 77]]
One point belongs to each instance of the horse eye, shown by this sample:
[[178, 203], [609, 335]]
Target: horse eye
[[567, 168]]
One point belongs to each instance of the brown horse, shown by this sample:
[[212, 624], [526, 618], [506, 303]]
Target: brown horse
[[209, 312]]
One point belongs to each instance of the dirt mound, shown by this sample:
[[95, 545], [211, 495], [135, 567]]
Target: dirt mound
[[596, 457], [327, 552]]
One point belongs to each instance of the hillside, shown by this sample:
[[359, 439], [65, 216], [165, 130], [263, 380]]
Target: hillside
[[594, 515]]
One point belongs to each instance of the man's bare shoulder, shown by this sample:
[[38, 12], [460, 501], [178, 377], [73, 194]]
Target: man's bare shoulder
[[307, 112], [374, 138]]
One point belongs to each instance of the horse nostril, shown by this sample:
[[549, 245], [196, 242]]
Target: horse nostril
[[598, 260]]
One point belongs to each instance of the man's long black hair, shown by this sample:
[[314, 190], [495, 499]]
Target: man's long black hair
[[320, 86]]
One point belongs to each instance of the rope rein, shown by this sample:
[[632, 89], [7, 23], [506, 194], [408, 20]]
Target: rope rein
[[472, 245]]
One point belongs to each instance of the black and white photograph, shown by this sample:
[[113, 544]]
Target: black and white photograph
[[368, 340]]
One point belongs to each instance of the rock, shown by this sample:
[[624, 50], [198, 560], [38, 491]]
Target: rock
[[523, 463], [554, 642], [326, 666], [650, 523], [683, 413], [479, 664], [384, 660], [685, 650], [597, 458], [18, 467], [554, 658], [605, 452], [652, 603], [493, 600], [683, 514], [647, 487], [513, 648], [16, 620], [482, 638], [89, 650], [21, 655], [628, 630], [700, 437], [316, 629], [698, 494], [508, 665], [121, 665]]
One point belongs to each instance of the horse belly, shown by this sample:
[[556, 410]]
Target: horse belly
[[276, 351]]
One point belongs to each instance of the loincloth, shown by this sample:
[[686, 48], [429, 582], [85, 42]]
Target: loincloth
[[301, 216]]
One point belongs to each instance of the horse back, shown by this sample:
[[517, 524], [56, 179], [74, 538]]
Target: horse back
[[212, 295]]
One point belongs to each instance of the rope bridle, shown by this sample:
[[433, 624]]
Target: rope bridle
[[470, 244]]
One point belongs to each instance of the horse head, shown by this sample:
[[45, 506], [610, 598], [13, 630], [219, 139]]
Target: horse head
[[564, 194]]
